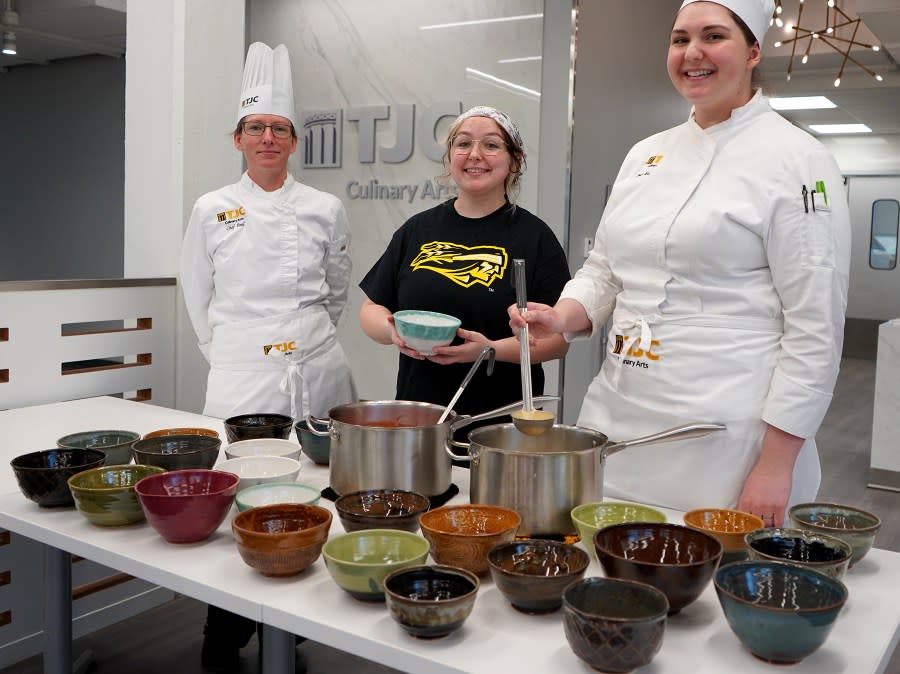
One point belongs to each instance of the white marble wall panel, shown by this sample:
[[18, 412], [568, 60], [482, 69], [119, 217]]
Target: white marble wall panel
[[351, 53], [886, 414]]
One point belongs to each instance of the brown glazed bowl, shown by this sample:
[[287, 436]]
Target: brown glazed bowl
[[532, 574], [281, 539], [258, 425], [673, 558], [462, 535], [614, 625], [727, 526], [381, 509], [178, 452], [43, 476], [430, 602], [115, 444], [186, 506], [183, 430], [819, 552]]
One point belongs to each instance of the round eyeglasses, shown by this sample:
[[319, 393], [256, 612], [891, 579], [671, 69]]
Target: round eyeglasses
[[489, 146], [258, 129]]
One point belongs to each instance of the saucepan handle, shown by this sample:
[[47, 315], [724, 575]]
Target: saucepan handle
[[464, 421], [311, 421], [678, 433]]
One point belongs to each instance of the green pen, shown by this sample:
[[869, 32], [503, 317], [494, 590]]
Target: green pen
[[820, 188]]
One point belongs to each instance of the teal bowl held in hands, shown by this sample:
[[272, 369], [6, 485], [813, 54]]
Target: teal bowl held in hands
[[424, 330]]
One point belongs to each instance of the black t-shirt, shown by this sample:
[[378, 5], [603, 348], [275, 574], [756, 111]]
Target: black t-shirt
[[441, 261]]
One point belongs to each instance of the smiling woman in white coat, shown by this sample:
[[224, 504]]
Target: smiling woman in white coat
[[722, 259]]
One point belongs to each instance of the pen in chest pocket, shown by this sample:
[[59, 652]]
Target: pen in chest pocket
[[805, 194]]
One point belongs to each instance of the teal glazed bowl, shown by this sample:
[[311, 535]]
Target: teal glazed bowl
[[780, 612], [316, 447], [106, 496], [424, 330], [115, 444], [855, 527]]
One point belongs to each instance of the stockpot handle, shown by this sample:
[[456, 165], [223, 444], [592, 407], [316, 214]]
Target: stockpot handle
[[678, 433], [464, 421], [311, 421]]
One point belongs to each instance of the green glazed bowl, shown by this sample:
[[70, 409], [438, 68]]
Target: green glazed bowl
[[115, 444], [359, 561], [857, 528], [106, 496], [424, 330], [589, 518]]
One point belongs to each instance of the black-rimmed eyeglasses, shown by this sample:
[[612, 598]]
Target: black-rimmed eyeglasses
[[258, 129]]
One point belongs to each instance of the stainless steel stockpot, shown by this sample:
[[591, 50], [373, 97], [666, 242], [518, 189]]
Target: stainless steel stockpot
[[394, 444], [542, 477]]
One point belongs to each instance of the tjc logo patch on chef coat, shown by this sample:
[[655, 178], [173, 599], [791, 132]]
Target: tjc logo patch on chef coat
[[232, 218], [651, 163], [283, 347], [635, 355], [463, 265]]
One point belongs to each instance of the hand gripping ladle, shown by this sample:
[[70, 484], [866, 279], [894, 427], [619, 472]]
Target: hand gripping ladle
[[527, 420]]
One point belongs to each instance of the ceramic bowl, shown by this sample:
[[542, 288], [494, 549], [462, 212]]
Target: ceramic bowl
[[614, 625], [855, 527], [255, 470], [381, 509], [259, 425], [424, 330], [673, 558], [532, 574], [430, 601], [177, 452], [186, 506], [106, 496], [115, 444], [43, 476], [780, 612], [271, 493], [282, 539], [359, 561], [183, 430], [316, 447], [263, 447], [727, 526], [462, 535], [826, 554], [589, 518]]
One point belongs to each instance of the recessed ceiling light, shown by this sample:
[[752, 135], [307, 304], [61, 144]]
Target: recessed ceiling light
[[801, 103], [840, 128]]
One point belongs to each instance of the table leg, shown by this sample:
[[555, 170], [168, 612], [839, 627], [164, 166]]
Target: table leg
[[279, 651], [57, 611]]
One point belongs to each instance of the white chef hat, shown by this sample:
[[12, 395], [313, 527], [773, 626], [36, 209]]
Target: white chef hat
[[267, 87], [757, 14]]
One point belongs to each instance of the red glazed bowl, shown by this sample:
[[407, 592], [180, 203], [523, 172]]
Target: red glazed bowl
[[186, 506]]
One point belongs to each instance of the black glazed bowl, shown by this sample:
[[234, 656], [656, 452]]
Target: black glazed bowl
[[614, 625], [43, 476], [258, 425], [381, 509], [532, 574], [177, 452], [430, 601], [819, 552]]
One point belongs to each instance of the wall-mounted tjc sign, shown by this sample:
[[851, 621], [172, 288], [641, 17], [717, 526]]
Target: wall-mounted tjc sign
[[415, 125]]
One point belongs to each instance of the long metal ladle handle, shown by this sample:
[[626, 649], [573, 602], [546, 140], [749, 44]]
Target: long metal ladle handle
[[488, 352], [524, 348], [679, 433]]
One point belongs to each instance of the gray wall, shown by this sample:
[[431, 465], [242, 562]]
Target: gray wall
[[62, 130], [622, 94]]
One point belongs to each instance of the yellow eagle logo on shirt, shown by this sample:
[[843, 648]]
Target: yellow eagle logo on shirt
[[463, 265]]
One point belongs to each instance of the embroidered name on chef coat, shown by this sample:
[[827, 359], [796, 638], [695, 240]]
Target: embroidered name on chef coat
[[463, 265], [651, 163], [232, 218]]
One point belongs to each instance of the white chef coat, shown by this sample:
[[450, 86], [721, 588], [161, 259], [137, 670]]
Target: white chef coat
[[727, 300], [265, 277]]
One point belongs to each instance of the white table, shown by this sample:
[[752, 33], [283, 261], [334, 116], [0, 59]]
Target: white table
[[495, 638]]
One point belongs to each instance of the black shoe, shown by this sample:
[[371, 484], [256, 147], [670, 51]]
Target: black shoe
[[219, 656]]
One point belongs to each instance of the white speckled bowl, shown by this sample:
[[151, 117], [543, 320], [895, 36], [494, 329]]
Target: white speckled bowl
[[272, 493], [253, 470], [263, 447]]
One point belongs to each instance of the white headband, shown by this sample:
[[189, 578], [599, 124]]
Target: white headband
[[501, 118], [757, 14]]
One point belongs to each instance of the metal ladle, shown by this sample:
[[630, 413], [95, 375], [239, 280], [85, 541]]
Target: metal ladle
[[527, 420], [486, 351]]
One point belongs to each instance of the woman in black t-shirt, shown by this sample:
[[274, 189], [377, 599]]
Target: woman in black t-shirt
[[456, 258]]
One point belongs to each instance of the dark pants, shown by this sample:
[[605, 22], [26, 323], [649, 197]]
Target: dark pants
[[227, 627]]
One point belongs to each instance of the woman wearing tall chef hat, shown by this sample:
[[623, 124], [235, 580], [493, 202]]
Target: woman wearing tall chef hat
[[722, 258], [265, 269]]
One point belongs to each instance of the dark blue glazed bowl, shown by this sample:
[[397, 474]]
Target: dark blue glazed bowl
[[780, 612]]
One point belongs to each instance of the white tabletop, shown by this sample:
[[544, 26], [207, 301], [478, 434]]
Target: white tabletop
[[495, 638]]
